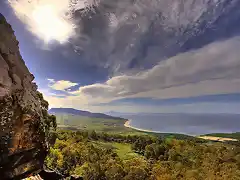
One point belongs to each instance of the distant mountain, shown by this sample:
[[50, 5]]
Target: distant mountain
[[81, 113], [119, 114]]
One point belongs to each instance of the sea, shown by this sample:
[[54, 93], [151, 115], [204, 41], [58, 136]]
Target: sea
[[191, 124]]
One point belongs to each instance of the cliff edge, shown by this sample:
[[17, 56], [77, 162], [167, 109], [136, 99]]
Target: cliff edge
[[26, 128]]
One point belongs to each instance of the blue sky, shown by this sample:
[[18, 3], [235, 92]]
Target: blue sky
[[131, 57]]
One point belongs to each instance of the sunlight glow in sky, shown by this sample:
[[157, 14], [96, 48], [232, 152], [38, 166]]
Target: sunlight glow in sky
[[49, 25], [47, 19]]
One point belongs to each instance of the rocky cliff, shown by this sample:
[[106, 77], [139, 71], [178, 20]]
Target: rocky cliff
[[26, 129]]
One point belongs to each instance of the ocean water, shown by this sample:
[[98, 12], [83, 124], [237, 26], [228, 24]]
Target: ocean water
[[192, 124]]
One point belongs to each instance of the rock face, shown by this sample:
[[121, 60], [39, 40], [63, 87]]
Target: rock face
[[26, 129]]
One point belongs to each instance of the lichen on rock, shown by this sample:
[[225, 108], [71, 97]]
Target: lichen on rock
[[27, 130]]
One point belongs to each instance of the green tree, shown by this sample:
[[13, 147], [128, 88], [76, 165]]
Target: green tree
[[93, 135]]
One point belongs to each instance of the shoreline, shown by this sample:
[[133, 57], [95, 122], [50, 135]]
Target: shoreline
[[127, 125], [212, 138]]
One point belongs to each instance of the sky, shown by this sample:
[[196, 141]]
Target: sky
[[152, 56]]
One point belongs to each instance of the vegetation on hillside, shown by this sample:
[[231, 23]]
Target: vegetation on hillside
[[98, 155], [77, 122], [113, 126]]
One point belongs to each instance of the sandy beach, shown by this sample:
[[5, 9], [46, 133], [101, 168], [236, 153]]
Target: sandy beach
[[127, 124], [213, 138]]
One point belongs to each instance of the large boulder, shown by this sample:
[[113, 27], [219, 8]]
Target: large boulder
[[26, 128]]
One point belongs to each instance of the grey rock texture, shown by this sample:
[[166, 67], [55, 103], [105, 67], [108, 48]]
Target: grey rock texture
[[26, 129]]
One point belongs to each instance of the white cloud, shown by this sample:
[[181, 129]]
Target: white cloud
[[211, 70], [48, 19], [51, 80], [81, 102], [61, 85], [206, 107]]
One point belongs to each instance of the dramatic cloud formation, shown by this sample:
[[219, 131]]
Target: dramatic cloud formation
[[48, 19], [129, 35], [213, 69], [117, 49]]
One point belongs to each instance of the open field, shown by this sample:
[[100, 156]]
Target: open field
[[123, 150]]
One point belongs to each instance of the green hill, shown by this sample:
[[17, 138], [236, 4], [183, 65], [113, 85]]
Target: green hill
[[77, 122]]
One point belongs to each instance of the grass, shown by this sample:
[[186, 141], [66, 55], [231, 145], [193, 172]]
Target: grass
[[123, 150]]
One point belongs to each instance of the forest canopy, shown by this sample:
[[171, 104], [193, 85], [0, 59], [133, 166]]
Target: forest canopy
[[95, 156]]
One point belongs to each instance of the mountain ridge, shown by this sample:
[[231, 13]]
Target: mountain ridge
[[82, 113]]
